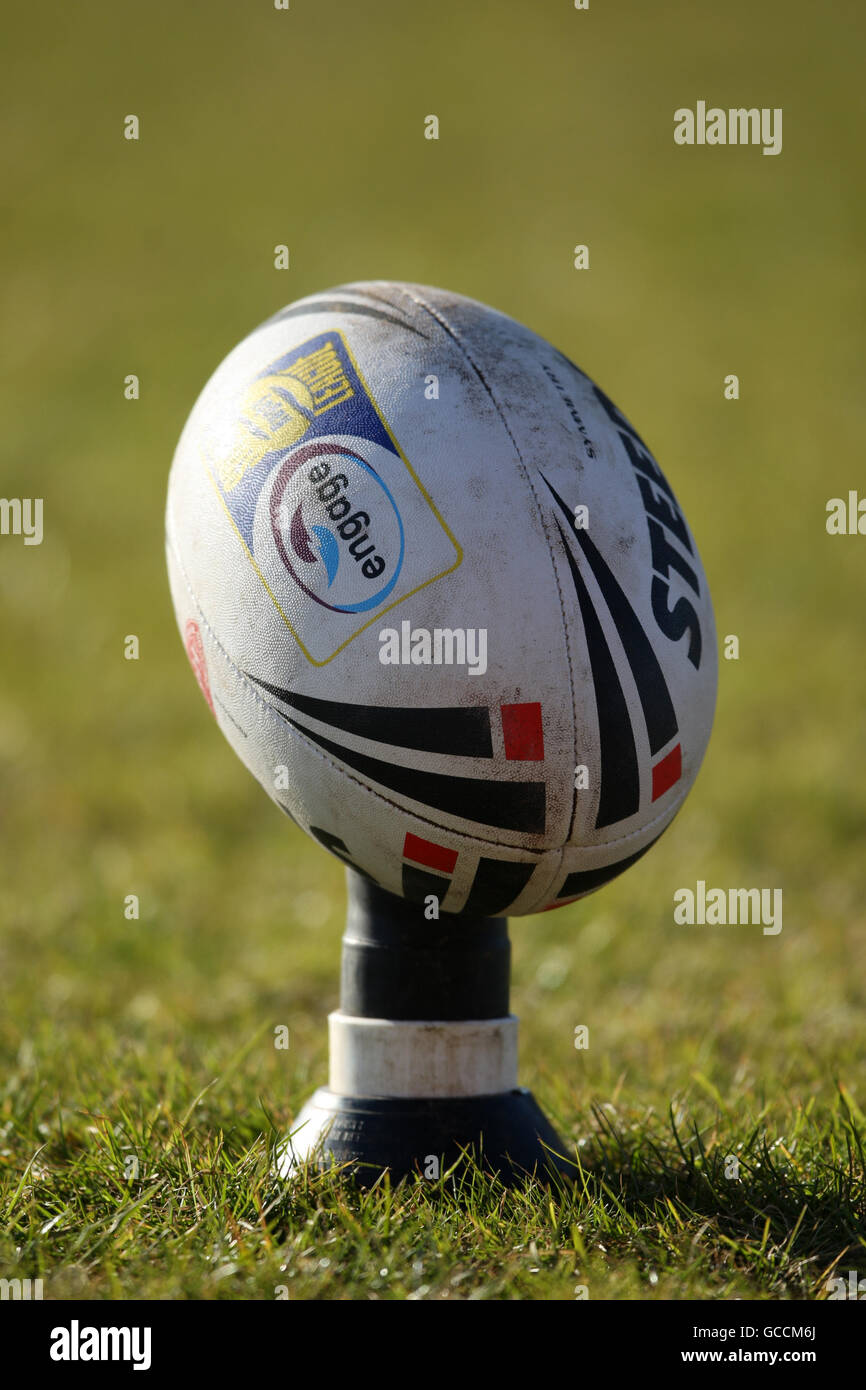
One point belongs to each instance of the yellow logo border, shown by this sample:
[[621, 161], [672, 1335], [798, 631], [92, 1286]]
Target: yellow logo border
[[421, 488]]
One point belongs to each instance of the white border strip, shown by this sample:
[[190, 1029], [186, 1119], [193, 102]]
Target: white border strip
[[379, 1057]]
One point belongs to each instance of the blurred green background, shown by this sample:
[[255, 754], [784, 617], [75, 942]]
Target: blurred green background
[[306, 127]]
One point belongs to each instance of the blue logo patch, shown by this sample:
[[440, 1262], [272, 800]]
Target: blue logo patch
[[336, 523]]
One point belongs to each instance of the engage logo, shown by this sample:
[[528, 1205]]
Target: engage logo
[[336, 526], [336, 523]]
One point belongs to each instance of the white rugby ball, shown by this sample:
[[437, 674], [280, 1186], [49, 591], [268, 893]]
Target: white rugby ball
[[441, 599]]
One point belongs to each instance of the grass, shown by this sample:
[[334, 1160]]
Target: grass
[[152, 1037], [172, 1195]]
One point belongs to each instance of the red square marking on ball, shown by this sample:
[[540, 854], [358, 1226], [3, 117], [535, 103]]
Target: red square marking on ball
[[521, 729], [430, 855], [668, 771]]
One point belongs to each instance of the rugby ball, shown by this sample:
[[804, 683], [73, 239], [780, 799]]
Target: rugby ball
[[441, 599]]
